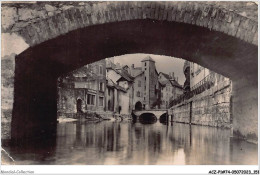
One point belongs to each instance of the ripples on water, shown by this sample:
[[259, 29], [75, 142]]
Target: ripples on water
[[114, 142]]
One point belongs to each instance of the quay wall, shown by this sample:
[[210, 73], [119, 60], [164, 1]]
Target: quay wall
[[210, 108]]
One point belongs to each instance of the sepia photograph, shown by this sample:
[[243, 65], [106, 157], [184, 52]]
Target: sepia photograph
[[129, 83]]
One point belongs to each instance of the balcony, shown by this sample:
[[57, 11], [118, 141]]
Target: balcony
[[204, 84]]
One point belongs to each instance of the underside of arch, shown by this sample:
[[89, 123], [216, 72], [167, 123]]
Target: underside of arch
[[38, 67]]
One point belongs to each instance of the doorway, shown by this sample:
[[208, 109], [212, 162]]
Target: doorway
[[79, 106]]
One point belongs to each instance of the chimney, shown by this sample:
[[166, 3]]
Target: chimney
[[170, 74], [177, 79], [173, 75], [133, 65]]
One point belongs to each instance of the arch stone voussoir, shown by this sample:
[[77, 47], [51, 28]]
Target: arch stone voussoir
[[39, 29]]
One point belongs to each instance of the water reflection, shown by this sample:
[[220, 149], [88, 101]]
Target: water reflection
[[136, 143]]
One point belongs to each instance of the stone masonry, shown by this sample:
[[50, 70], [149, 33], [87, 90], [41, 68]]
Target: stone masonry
[[37, 22], [210, 108]]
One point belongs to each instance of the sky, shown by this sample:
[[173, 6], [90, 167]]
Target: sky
[[12, 43], [163, 64]]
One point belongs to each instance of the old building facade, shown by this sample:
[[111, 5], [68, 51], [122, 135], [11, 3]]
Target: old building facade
[[147, 89], [151, 80], [107, 87], [83, 90], [200, 75], [122, 81], [170, 88]]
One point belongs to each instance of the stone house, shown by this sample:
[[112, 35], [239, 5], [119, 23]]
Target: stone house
[[170, 90], [138, 96], [114, 94], [151, 85], [147, 89], [177, 89], [200, 75], [121, 79], [138, 84], [83, 90]]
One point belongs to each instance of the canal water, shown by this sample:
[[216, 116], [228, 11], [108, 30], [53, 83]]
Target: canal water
[[126, 142]]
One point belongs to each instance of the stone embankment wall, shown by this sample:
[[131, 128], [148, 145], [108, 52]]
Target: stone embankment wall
[[7, 88], [210, 108]]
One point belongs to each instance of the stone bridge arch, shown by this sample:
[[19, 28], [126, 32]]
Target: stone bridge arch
[[51, 21], [63, 38], [148, 117], [163, 118], [156, 113]]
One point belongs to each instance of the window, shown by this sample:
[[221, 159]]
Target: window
[[63, 103], [101, 101], [144, 78], [90, 99], [138, 94], [101, 86], [139, 83], [90, 68], [100, 70], [144, 64], [144, 98], [109, 92]]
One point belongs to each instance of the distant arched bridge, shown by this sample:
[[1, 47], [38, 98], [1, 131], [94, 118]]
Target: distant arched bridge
[[158, 112]]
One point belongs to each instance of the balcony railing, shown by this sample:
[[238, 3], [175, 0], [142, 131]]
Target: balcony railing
[[209, 78], [200, 87]]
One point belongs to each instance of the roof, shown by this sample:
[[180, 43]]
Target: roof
[[163, 83], [137, 68], [112, 68], [80, 74], [175, 83], [140, 73], [169, 79], [165, 75], [110, 83], [160, 83], [126, 75], [148, 58], [125, 66]]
